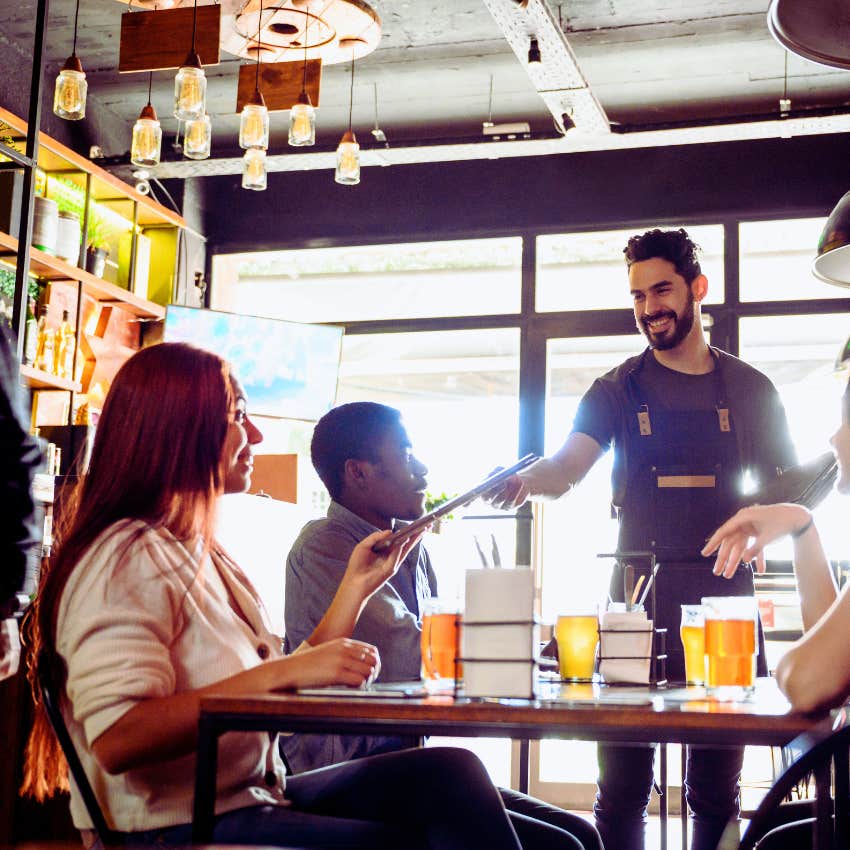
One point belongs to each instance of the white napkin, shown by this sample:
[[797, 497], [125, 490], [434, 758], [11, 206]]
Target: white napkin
[[625, 647]]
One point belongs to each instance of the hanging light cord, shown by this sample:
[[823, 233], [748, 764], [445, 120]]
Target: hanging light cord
[[76, 15], [304, 74], [150, 84], [785, 83], [194, 24], [351, 92], [259, 47]]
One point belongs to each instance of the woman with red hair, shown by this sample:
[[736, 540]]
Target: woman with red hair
[[141, 613]]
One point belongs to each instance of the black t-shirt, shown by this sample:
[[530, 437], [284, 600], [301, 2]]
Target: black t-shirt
[[758, 418]]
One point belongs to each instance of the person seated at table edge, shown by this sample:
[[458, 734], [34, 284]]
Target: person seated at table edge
[[141, 613], [815, 672], [364, 456]]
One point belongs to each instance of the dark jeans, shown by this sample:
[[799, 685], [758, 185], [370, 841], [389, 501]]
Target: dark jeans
[[439, 798], [712, 786]]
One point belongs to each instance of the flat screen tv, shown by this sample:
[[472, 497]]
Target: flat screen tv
[[288, 369]]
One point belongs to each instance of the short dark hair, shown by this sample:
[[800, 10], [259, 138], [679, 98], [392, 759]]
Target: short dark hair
[[350, 431], [675, 246]]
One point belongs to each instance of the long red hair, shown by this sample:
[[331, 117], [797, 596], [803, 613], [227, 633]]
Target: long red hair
[[156, 457]]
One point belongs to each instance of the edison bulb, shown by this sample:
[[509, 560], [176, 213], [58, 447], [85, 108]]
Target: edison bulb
[[197, 138], [190, 93], [348, 161], [254, 126], [147, 142], [302, 125], [69, 96], [254, 169]]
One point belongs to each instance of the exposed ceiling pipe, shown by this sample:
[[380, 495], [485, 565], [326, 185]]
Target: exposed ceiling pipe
[[557, 75]]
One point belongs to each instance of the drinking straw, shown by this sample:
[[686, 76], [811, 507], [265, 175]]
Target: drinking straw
[[633, 601]]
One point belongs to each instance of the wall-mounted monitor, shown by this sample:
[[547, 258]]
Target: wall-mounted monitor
[[288, 369]]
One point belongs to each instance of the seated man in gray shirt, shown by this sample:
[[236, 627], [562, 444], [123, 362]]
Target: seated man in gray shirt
[[362, 453], [364, 457]]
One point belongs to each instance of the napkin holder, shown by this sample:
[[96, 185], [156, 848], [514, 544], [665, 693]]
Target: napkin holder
[[500, 635], [631, 651]]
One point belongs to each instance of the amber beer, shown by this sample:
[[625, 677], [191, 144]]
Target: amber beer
[[440, 642], [731, 624], [730, 648], [577, 636], [692, 633]]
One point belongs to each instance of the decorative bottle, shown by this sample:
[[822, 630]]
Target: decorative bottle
[[63, 348], [44, 346], [30, 334]]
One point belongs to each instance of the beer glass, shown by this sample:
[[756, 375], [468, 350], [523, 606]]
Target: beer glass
[[440, 639], [577, 636], [731, 644], [692, 632]]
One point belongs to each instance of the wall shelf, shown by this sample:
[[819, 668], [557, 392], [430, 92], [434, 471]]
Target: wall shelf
[[37, 379], [48, 267]]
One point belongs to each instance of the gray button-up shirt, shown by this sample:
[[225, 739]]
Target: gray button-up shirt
[[390, 620]]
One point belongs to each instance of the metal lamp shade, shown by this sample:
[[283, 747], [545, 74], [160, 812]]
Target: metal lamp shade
[[832, 264]]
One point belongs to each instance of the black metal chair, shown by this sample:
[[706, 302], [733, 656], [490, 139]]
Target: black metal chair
[[106, 837], [822, 752]]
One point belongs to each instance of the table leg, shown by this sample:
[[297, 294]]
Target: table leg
[[524, 766], [662, 796], [842, 798], [203, 815], [683, 799]]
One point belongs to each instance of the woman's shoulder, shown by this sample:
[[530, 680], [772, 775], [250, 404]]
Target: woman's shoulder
[[130, 554]]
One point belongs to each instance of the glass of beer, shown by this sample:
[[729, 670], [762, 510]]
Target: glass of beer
[[441, 623], [577, 636], [731, 644], [692, 632]]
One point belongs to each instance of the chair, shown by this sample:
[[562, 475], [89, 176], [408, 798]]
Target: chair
[[823, 753], [106, 837]]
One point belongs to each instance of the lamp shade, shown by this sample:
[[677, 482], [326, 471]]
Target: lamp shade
[[832, 264], [197, 138], [69, 97], [147, 139], [348, 160], [254, 169], [302, 122], [190, 89]]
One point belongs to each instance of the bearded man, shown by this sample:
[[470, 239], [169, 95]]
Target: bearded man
[[687, 423]]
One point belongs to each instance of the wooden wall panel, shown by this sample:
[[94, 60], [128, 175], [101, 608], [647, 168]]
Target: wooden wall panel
[[280, 83], [154, 41]]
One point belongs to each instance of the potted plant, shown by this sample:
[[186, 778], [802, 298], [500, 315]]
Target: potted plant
[[432, 502], [97, 240]]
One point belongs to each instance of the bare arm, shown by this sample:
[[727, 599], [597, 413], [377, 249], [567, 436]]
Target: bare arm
[[553, 476], [815, 672]]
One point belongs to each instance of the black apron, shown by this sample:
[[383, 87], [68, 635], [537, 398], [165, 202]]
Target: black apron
[[682, 476]]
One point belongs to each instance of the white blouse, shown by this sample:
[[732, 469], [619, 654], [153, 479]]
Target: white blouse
[[141, 618]]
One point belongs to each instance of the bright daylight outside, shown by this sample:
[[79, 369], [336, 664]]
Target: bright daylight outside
[[458, 392]]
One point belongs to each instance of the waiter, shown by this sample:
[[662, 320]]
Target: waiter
[[687, 422]]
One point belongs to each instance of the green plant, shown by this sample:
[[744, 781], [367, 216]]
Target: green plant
[[7, 285], [70, 197], [433, 501]]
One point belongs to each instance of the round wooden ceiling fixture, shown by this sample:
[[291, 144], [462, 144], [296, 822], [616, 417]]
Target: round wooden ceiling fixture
[[331, 28]]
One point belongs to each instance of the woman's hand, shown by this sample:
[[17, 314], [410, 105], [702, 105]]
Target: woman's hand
[[743, 537], [342, 661], [368, 570]]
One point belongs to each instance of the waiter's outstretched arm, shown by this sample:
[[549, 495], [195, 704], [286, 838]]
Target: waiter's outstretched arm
[[550, 477]]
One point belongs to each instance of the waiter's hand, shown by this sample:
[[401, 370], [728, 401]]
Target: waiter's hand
[[743, 538], [509, 495]]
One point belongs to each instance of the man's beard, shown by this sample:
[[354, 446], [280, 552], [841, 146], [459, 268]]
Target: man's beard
[[681, 327]]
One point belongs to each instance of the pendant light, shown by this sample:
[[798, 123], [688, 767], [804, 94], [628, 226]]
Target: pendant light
[[147, 135], [69, 96], [254, 120], [190, 84], [302, 116], [254, 169], [197, 138], [348, 153]]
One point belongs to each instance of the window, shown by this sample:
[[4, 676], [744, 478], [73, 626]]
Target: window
[[776, 261], [585, 271], [365, 283]]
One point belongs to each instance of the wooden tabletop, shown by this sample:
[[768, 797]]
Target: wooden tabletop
[[564, 711]]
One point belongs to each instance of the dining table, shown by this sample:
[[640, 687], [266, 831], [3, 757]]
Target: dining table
[[581, 711]]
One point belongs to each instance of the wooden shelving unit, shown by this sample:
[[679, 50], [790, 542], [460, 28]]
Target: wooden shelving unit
[[36, 379]]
